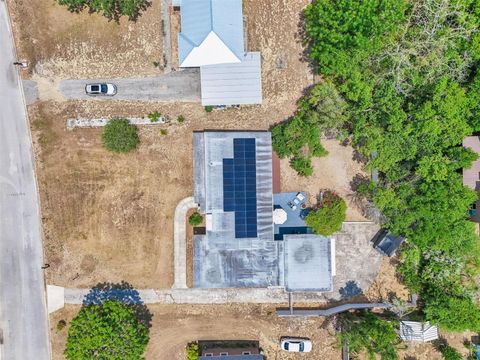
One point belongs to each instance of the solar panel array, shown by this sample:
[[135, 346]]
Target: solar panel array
[[240, 187]]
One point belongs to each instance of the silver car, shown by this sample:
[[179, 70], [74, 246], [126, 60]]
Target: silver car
[[296, 345], [101, 89]]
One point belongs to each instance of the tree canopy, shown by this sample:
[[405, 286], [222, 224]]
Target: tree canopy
[[109, 331], [329, 216], [111, 9], [408, 78], [120, 136]]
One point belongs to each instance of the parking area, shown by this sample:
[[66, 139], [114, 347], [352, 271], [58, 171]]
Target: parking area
[[180, 86]]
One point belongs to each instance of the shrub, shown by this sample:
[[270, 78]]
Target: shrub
[[120, 136], [329, 216], [163, 132], [195, 219], [208, 108], [302, 165], [111, 9], [365, 331], [107, 331], [154, 116], [192, 351], [181, 119], [61, 325], [448, 352]]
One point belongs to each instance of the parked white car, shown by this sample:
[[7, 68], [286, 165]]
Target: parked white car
[[296, 345], [101, 89]]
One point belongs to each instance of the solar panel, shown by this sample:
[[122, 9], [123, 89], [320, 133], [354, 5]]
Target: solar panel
[[240, 187]]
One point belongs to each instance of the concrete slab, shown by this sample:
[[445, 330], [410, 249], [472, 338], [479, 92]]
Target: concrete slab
[[55, 298]]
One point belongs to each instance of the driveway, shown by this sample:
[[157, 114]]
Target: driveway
[[23, 315], [182, 86]]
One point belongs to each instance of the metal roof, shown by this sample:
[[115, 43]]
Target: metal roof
[[220, 258], [308, 262], [204, 19], [233, 84], [416, 331]]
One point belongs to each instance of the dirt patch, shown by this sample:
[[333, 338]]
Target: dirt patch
[[60, 44], [334, 171]]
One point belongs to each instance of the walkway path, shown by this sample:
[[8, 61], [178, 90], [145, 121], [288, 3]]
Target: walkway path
[[180, 241], [23, 313], [181, 86], [167, 46], [276, 295]]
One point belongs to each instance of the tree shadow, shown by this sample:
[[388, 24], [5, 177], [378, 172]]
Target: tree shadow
[[409, 357], [350, 289], [122, 292]]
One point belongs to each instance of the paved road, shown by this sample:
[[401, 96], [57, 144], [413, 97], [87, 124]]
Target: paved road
[[23, 315], [175, 86]]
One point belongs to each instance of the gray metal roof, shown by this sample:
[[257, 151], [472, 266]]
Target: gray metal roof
[[221, 259], [308, 262], [233, 84], [232, 357], [416, 331]]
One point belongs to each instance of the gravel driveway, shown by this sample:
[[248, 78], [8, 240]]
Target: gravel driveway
[[183, 86]]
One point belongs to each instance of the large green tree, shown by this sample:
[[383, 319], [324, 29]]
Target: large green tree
[[112, 9], [109, 331], [329, 216]]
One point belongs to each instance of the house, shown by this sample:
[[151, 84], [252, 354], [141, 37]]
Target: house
[[230, 350], [471, 176], [211, 39], [244, 244], [417, 331]]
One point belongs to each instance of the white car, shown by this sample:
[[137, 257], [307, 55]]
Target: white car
[[101, 89], [296, 345]]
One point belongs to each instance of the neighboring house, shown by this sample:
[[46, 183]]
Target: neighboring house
[[253, 238], [211, 38], [417, 331], [386, 243], [471, 177], [230, 350]]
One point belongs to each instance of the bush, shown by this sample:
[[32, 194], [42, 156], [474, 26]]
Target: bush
[[302, 165], [111, 9], [192, 351], [195, 219], [61, 325], [448, 352], [163, 132], [329, 216], [120, 136], [208, 108], [154, 116], [181, 119], [107, 331]]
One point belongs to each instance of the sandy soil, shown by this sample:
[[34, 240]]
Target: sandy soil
[[334, 171]]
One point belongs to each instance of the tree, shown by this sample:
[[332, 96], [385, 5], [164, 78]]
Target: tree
[[365, 331], [195, 219], [111, 9], [329, 216], [192, 351], [120, 136], [108, 331], [340, 31]]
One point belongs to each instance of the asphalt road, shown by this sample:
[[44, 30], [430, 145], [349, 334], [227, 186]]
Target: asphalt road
[[181, 86], [23, 315]]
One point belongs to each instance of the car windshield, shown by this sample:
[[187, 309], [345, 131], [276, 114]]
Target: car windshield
[[95, 88], [104, 88], [301, 347], [285, 346]]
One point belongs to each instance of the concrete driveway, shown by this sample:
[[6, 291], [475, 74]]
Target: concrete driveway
[[182, 86], [23, 313]]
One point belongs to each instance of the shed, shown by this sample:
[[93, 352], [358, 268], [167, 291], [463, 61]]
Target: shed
[[417, 331], [386, 243]]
